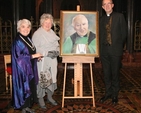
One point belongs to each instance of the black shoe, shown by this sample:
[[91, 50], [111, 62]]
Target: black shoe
[[104, 98], [114, 100]]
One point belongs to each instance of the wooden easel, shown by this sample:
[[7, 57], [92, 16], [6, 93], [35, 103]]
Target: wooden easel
[[78, 76]]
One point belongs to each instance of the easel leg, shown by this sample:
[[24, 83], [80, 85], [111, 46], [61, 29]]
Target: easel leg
[[64, 85], [92, 84]]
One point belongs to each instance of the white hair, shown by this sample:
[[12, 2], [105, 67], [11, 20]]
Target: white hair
[[78, 16], [44, 17], [23, 21]]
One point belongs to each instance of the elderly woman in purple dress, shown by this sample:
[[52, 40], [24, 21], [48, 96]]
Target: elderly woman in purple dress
[[24, 68]]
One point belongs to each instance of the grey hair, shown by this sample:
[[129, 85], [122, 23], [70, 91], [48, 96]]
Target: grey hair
[[23, 21], [44, 17], [80, 15]]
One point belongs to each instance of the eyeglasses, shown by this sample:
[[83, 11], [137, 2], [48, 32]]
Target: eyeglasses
[[107, 4]]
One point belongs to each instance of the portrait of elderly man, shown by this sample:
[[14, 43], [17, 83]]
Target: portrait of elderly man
[[83, 40]]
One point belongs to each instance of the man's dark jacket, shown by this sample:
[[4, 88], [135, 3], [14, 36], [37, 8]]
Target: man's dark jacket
[[118, 35]]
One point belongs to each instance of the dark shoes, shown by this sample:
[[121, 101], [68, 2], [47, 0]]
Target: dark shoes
[[114, 99], [25, 110], [104, 98]]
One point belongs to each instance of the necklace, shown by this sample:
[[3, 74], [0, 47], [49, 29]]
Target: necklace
[[32, 47]]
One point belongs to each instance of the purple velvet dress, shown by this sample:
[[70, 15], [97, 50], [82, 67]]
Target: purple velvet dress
[[24, 74]]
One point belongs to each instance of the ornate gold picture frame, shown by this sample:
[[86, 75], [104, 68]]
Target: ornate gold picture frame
[[79, 33]]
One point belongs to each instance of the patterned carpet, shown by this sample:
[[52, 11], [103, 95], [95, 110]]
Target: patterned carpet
[[129, 96]]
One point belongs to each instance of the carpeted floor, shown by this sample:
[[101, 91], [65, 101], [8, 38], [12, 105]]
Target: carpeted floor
[[129, 95]]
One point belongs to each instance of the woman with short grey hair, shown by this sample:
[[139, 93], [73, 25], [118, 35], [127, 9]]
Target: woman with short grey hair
[[44, 17], [46, 42]]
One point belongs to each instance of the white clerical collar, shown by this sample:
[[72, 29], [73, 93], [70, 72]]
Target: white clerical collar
[[108, 14]]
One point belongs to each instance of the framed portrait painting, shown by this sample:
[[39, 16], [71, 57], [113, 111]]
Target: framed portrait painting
[[79, 33]]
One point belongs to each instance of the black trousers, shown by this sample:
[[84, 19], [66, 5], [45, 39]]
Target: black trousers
[[111, 68]]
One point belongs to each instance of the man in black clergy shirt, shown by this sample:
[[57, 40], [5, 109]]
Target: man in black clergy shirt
[[113, 31]]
